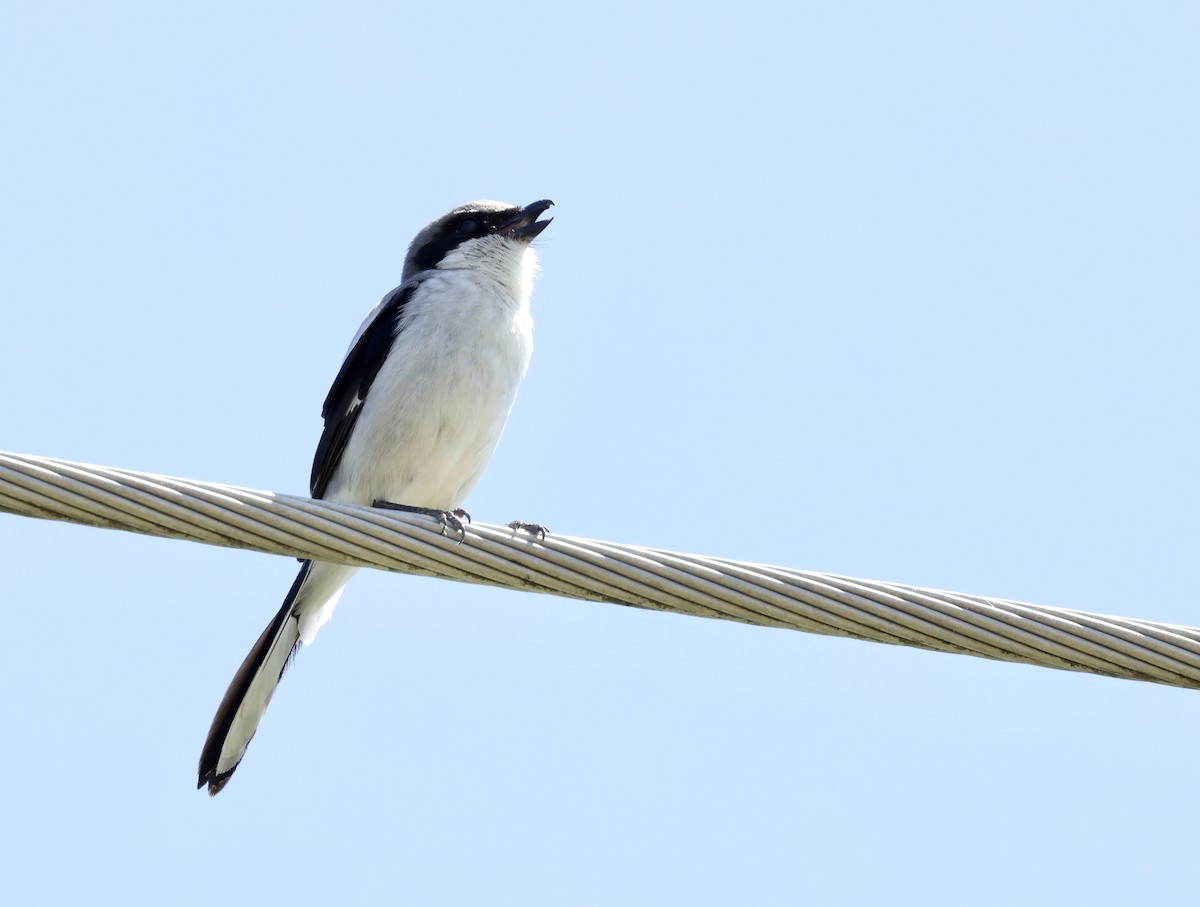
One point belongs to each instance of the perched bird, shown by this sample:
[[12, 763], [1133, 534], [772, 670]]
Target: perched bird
[[410, 422]]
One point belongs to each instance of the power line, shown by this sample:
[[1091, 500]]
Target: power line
[[601, 571]]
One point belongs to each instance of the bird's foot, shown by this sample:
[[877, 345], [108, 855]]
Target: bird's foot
[[534, 529], [451, 520]]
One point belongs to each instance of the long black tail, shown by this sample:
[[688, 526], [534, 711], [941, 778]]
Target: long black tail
[[246, 699]]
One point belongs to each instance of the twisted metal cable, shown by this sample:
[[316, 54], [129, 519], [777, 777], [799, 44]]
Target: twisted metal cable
[[601, 571]]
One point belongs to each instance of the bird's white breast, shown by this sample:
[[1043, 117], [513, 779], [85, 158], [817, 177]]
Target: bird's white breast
[[437, 408]]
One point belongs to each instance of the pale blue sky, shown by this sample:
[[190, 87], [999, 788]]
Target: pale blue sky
[[906, 292]]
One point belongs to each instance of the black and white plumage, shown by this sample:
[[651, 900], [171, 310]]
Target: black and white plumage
[[412, 418]]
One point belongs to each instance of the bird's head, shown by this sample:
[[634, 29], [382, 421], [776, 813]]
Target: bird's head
[[485, 235]]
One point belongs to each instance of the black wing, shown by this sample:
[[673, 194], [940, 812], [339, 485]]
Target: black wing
[[345, 399]]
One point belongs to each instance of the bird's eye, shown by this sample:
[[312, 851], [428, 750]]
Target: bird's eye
[[468, 225]]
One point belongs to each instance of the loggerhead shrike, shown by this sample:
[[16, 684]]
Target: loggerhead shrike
[[410, 422]]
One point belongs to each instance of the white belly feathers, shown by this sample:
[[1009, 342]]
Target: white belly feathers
[[437, 408]]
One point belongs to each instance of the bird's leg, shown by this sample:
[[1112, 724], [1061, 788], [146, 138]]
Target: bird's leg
[[451, 520]]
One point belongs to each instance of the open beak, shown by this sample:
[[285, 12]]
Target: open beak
[[526, 224]]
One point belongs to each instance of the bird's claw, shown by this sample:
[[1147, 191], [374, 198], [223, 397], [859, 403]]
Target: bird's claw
[[451, 523], [534, 529]]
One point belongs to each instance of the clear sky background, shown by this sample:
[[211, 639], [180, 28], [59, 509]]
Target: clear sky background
[[899, 291]]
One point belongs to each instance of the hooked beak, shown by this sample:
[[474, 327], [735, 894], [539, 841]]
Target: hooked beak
[[526, 224]]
